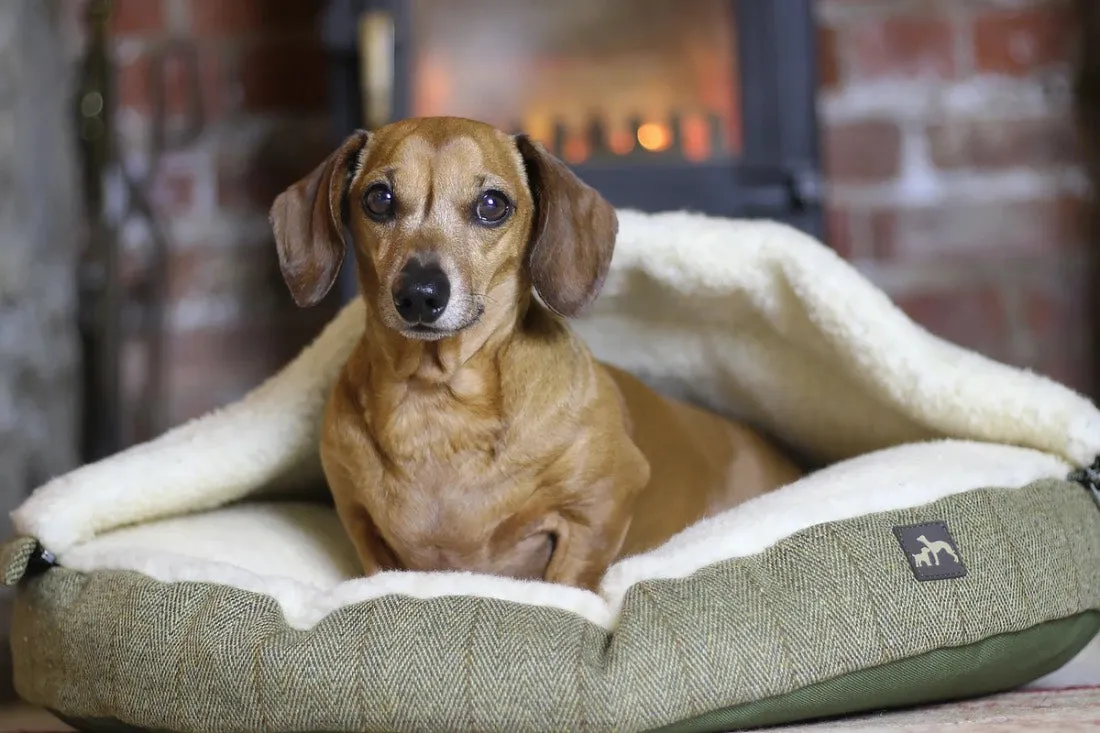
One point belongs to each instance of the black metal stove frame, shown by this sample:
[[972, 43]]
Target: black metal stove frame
[[777, 176]]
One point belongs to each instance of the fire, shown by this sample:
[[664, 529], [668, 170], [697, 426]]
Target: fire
[[654, 137], [696, 143], [579, 141], [620, 141], [576, 150]]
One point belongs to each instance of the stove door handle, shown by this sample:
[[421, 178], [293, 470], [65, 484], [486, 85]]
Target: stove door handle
[[377, 57]]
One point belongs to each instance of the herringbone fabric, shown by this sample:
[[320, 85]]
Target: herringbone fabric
[[14, 557], [830, 600]]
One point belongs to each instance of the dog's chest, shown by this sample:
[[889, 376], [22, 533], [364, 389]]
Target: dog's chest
[[438, 514], [449, 481], [433, 430]]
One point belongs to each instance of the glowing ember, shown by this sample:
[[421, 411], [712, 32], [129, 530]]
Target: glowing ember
[[620, 142], [696, 138], [576, 150], [654, 137]]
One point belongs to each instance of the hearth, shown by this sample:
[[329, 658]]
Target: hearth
[[706, 105]]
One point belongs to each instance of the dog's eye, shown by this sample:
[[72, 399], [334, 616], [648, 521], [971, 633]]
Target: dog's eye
[[492, 207], [379, 202]]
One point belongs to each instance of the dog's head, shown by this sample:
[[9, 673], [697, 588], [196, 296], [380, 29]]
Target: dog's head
[[451, 219]]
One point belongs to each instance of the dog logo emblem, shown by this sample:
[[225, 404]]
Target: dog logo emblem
[[931, 551]]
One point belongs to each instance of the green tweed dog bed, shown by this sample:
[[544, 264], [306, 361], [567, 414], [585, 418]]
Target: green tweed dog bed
[[947, 544]]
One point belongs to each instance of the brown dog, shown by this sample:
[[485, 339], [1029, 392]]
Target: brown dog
[[470, 429]]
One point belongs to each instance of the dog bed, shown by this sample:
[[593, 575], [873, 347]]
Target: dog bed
[[946, 543]]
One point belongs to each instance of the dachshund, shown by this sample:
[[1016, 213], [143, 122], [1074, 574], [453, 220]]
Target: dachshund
[[471, 429]]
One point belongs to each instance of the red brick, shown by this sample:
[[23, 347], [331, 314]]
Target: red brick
[[284, 76], [132, 271], [1069, 368], [210, 368], [236, 17], [202, 74], [1062, 304], [253, 178], [234, 190], [137, 17], [132, 83], [134, 379], [1015, 42], [862, 152], [1003, 143], [972, 317], [137, 77], [899, 47], [838, 230], [966, 231], [173, 191], [1059, 317], [215, 75], [828, 60], [245, 273]]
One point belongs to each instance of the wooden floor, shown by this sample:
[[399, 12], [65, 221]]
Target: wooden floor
[[1065, 711], [21, 719]]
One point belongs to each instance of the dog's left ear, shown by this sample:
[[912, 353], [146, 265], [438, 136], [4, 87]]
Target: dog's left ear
[[572, 236], [308, 220]]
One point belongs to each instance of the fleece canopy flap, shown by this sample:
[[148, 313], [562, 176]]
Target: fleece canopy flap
[[759, 320], [753, 319]]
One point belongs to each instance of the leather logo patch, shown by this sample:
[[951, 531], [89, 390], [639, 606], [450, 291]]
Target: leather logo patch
[[931, 551]]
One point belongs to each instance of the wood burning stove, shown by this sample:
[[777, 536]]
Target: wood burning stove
[[707, 105]]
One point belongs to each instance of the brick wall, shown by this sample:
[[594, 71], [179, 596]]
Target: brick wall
[[261, 94], [955, 180], [954, 177], [40, 236]]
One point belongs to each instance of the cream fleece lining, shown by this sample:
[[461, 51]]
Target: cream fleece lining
[[297, 553]]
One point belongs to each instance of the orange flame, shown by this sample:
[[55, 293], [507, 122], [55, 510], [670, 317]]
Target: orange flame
[[654, 136]]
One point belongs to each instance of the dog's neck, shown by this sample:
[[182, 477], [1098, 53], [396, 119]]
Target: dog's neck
[[393, 358]]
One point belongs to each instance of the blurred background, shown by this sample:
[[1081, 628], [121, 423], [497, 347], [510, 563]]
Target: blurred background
[[933, 143]]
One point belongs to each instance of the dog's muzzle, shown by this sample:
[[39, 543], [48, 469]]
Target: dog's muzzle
[[421, 293]]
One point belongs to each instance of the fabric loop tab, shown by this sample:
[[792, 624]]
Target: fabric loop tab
[[21, 556]]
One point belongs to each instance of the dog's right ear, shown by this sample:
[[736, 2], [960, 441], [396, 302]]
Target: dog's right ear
[[308, 220]]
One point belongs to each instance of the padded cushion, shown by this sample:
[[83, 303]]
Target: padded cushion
[[831, 619]]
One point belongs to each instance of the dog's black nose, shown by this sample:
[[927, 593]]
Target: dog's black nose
[[422, 292]]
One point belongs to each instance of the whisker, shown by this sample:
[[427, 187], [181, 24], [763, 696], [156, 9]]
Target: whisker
[[484, 297]]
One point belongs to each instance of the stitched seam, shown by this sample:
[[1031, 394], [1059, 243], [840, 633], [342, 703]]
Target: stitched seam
[[468, 691], [835, 537], [1015, 552], [784, 637], [1079, 582], [681, 657], [191, 626], [265, 719], [581, 711]]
